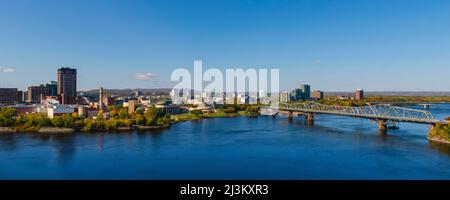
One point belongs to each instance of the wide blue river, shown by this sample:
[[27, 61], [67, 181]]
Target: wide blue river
[[233, 148]]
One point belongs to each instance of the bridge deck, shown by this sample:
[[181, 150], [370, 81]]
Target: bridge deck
[[377, 112]]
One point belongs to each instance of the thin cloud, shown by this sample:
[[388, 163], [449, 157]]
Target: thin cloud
[[143, 76], [317, 61], [7, 69]]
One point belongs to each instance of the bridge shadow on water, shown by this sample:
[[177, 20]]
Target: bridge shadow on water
[[345, 128]]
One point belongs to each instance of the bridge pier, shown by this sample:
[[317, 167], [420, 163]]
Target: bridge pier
[[290, 115], [382, 127], [310, 118]]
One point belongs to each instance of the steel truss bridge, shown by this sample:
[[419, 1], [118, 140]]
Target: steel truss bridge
[[381, 113]]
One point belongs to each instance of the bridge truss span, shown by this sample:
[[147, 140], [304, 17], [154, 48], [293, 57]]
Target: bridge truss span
[[376, 112]]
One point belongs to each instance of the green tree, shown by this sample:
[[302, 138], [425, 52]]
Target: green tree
[[197, 112], [151, 116], [7, 116]]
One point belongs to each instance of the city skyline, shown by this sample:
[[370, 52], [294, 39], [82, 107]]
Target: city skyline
[[333, 46]]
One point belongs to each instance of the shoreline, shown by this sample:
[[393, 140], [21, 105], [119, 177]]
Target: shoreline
[[439, 140], [54, 130], [7, 130]]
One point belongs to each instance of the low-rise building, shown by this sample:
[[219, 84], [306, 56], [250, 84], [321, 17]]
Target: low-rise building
[[58, 110], [285, 97], [205, 108], [167, 107], [10, 96], [317, 95]]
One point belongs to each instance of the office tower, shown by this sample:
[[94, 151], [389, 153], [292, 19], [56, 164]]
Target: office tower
[[35, 93], [359, 94], [53, 88], [67, 85], [306, 91], [296, 94]]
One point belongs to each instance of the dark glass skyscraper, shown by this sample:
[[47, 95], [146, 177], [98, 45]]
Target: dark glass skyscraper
[[306, 91], [67, 85], [67, 81]]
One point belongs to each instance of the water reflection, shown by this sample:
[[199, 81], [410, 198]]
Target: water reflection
[[8, 142], [440, 147], [64, 147]]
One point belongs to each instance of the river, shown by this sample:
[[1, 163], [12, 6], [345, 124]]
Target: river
[[234, 148]]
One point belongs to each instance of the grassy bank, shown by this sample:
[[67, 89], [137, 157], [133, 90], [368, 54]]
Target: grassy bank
[[190, 116], [440, 132], [224, 111]]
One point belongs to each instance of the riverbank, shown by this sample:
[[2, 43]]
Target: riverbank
[[440, 133], [7, 130], [40, 130], [189, 116], [439, 139], [54, 130]]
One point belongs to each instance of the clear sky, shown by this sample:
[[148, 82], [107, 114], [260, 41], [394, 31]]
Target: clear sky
[[335, 45]]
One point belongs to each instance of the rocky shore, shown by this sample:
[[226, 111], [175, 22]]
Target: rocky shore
[[439, 139], [56, 130], [6, 130]]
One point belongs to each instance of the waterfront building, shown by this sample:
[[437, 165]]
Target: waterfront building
[[167, 107], [67, 85], [10, 96], [317, 95], [205, 108], [359, 94], [58, 110], [25, 109], [306, 91]]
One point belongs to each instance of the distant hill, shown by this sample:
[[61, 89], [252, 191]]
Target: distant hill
[[124, 92], [166, 91], [391, 93]]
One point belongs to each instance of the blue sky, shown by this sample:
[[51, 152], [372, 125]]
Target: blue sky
[[336, 45]]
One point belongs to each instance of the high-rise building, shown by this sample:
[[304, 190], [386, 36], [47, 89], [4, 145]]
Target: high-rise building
[[35, 93], [359, 94], [296, 94], [285, 97], [67, 85], [306, 91], [317, 94], [53, 88], [138, 93], [10, 96]]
